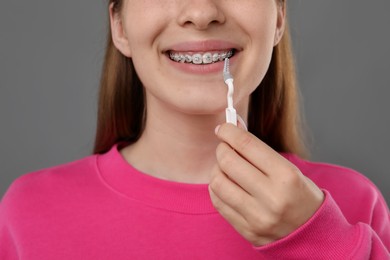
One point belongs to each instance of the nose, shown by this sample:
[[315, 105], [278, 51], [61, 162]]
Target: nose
[[200, 14]]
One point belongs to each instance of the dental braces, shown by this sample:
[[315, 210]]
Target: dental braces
[[206, 58]]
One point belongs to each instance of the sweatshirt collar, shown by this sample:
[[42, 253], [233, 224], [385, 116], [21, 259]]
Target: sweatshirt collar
[[152, 191]]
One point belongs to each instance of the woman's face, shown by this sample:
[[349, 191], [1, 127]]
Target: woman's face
[[198, 34]]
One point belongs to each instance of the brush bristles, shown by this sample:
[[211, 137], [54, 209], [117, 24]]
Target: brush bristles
[[226, 66], [226, 72]]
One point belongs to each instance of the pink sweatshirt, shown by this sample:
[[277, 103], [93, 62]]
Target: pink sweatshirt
[[102, 208]]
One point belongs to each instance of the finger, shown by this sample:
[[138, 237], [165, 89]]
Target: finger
[[243, 173], [230, 193], [252, 149], [238, 222], [228, 213]]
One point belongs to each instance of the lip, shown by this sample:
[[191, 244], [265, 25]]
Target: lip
[[202, 47]]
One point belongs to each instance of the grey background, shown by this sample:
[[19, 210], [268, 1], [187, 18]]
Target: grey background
[[50, 60]]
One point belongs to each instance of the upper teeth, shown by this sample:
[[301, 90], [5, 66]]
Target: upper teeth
[[200, 58]]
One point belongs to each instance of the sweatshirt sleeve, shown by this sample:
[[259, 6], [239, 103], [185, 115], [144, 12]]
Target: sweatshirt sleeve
[[328, 235], [7, 245]]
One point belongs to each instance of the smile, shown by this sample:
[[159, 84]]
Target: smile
[[200, 58]]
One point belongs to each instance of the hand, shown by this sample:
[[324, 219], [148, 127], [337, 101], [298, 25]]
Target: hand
[[260, 193]]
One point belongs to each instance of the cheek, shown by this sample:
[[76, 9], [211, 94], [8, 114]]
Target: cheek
[[252, 73], [259, 27], [260, 22], [144, 21]]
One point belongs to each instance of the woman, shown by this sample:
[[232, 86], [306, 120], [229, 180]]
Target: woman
[[169, 179]]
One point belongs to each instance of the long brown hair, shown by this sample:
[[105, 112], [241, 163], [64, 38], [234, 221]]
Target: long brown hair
[[274, 115]]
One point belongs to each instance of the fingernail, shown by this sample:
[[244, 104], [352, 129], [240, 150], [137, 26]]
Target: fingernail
[[217, 129]]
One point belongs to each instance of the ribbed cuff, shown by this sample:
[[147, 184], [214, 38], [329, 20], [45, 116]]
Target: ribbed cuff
[[326, 235]]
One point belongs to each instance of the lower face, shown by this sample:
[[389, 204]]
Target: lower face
[[178, 47]]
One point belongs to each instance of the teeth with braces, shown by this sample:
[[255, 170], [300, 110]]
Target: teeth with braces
[[198, 58]]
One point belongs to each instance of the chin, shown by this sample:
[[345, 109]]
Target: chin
[[202, 108]]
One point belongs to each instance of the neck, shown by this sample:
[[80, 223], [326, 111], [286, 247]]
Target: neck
[[176, 146]]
